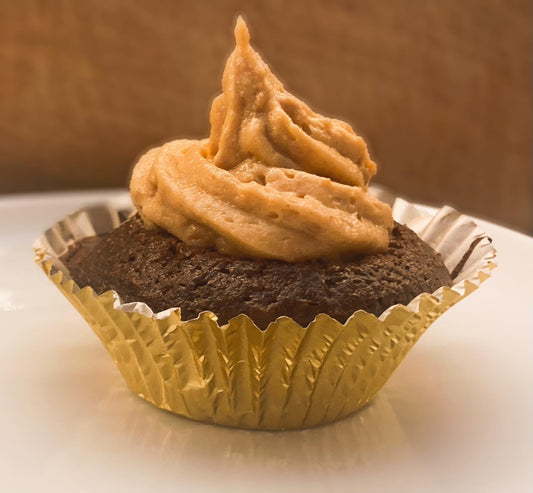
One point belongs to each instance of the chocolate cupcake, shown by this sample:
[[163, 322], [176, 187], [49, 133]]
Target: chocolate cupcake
[[258, 283]]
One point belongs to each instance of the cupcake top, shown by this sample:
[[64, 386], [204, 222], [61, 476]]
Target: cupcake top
[[273, 180]]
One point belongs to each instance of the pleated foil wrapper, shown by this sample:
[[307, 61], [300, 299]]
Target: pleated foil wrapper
[[285, 377]]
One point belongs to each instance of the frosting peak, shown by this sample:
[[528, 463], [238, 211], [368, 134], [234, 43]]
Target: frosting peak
[[274, 179], [255, 117]]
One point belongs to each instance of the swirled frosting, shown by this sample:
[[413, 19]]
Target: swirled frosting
[[273, 180]]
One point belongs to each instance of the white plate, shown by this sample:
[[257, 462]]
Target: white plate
[[456, 415]]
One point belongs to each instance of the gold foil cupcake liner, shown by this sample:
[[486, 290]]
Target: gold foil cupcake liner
[[285, 377]]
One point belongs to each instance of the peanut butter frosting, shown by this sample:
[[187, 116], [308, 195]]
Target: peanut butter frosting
[[273, 180]]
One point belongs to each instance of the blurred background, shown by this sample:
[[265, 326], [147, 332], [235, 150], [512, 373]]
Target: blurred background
[[441, 90]]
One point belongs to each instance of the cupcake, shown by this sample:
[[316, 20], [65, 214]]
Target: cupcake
[[257, 283]]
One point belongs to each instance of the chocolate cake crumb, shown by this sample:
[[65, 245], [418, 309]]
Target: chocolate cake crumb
[[152, 266]]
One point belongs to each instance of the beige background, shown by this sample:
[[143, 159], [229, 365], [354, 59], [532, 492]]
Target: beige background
[[440, 89]]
